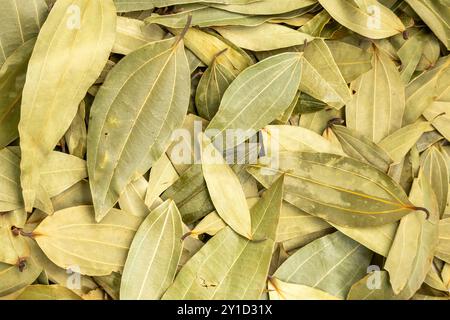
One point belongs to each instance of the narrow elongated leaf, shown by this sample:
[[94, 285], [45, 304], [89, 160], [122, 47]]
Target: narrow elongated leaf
[[267, 36], [225, 190], [264, 7], [269, 85], [154, 254], [10, 195], [436, 171], [296, 139], [12, 80], [422, 195], [76, 135], [71, 237], [331, 263], [124, 112], [422, 91], [20, 21], [162, 176], [377, 108], [217, 270], [321, 77], [403, 252], [205, 16], [132, 199], [398, 144], [436, 15], [54, 90], [190, 194], [357, 146], [211, 88], [137, 5], [338, 189], [369, 18], [443, 248]]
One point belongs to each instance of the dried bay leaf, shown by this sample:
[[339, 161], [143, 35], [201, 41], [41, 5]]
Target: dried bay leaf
[[13, 246], [280, 290], [61, 171], [374, 286], [115, 118], [205, 16], [206, 46], [421, 92], [12, 279], [399, 262], [357, 146], [338, 189], [264, 37], [436, 171], [154, 254], [132, 200], [190, 195], [398, 144], [436, 14], [131, 34], [137, 5], [321, 77], [10, 195], [216, 271], [296, 139], [162, 176], [369, 18], [443, 248], [76, 135], [96, 248], [331, 264], [211, 88], [351, 60], [377, 239], [20, 21], [47, 292], [377, 108], [295, 223], [264, 7], [225, 190], [12, 80], [269, 85], [45, 118]]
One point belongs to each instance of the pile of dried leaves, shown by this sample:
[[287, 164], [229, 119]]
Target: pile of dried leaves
[[224, 149]]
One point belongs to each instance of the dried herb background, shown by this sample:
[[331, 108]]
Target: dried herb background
[[355, 95]]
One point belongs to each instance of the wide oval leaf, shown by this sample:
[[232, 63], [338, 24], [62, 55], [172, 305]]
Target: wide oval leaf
[[269, 85], [143, 100], [71, 237], [331, 263]]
